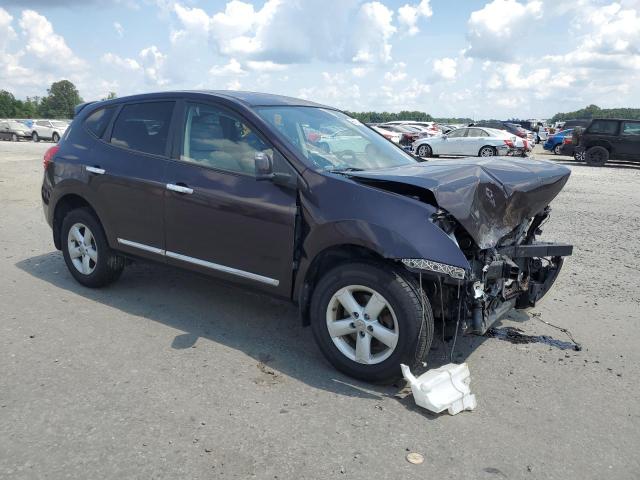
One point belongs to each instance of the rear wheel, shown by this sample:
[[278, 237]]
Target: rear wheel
[[86, 251], [558, 149], [35, 137], [597, 156], [14, 137], [424, 150], [55, 138], [368, 318], [487, 152]]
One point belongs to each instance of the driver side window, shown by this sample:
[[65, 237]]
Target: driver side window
[[458, 133], [218, 139]]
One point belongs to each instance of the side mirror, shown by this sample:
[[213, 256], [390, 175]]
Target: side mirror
[[264, 166], [264, 170]]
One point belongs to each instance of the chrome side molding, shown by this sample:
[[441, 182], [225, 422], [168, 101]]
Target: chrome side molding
[[203, 263]]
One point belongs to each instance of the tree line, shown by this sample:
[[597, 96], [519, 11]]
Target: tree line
[[383, 117], [593, 111], [59, 102]]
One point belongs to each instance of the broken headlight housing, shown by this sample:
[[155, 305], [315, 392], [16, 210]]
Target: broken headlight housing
[[436, 267]]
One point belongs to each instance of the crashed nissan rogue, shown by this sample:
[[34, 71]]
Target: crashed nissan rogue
[[303, 202]]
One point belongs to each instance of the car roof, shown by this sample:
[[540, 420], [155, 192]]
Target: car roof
[[250, 99]]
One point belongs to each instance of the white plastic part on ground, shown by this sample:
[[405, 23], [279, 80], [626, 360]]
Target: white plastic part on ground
[[444, 388]]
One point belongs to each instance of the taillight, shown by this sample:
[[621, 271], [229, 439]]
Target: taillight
[[567, 140], [508, 143], [49, 154]]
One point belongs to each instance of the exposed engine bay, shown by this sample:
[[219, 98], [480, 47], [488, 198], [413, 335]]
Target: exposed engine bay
[[492, 210]]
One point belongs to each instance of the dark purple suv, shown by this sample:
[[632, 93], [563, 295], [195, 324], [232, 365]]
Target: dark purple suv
[[258, 189]]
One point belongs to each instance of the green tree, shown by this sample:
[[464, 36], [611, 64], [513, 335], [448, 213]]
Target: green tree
[[7, 104], [61, 100], [110, 96], [593, 111]]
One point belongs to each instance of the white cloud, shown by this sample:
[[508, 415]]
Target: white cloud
[[397, 73], [496, 31], [153, 61], [373, 30], [265, 66], [124, 63], [48, 49], [445, 68], [232, 68], [408, 15], [117, 26]]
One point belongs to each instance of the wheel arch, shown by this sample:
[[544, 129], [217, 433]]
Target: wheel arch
[[599, 143], [325, 261], [65, 204]]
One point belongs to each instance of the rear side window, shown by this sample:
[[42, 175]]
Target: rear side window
[[143, 127], [604, 127], [631, 128], [97, 122], [476, 132]]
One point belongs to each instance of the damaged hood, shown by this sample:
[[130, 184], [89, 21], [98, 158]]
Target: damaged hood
[[488, 196]]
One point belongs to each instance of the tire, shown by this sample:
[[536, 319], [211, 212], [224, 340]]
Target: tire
[[424, 151], [14, 138], [578, 156], [487, 151], [55, 138], [412, 329], [597, 156], [557, 150], [105, 266], [35, 137]]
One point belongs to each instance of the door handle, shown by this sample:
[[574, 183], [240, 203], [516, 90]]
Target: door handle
[[179, 188], [96, 170]]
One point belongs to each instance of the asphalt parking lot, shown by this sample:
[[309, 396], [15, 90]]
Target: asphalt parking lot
[[168, 374]]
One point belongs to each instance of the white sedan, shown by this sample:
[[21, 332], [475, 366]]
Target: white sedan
[[467, 141]]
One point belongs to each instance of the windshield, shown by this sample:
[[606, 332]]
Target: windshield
[[59, 124], [331, 140]]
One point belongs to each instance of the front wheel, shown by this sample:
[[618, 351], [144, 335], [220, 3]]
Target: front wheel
[[86, 251], [55, 138], [558, 149], [368, 318], [14, 138], [35, 137], [487, 152]]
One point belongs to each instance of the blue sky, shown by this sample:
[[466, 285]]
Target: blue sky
[[477, 58]]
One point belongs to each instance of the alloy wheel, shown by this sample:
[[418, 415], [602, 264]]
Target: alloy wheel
[[486, 152], [423, 151], [557, 149], [362, 324], [82, 248]]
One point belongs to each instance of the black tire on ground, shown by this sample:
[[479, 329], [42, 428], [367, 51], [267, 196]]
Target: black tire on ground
[[14, 138], [578, 156], [109, 265], [424, 150], [55, 138], [35, 137], [597, 156], [487, 151], [558, 149], [415, 326]]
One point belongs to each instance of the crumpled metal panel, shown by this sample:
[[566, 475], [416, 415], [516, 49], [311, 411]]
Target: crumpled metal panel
[[488, 196]]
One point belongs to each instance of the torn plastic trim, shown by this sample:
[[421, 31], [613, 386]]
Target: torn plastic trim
[[456, 273]]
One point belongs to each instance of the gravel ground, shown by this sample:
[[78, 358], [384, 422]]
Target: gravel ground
[[167, 374]]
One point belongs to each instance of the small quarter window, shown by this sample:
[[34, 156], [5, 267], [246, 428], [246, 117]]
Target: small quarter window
[[98, 121], [143, 127]]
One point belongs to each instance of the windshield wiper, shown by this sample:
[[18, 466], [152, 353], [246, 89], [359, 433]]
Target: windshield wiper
[[346, 169]]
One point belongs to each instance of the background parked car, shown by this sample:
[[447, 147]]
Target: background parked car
[[388, 134], [554, 142], [606, 138], [408, 133], [48, 130], [508, 126], [14, 131], [468, 141]]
